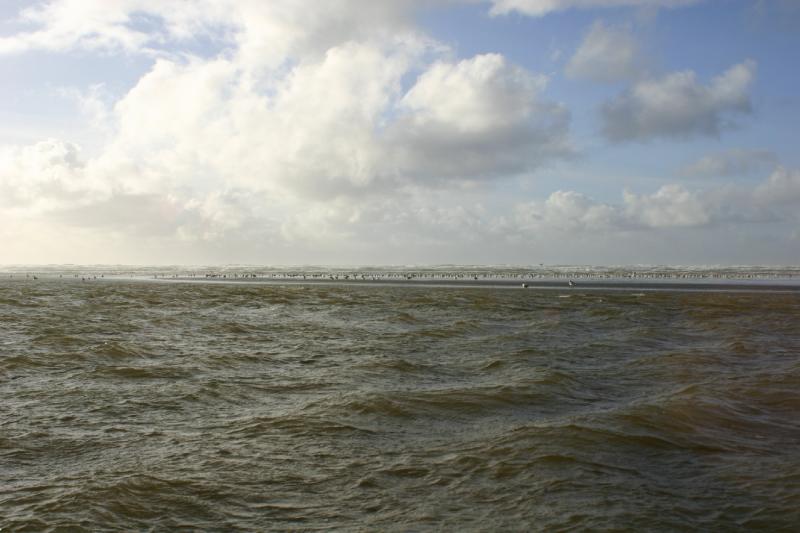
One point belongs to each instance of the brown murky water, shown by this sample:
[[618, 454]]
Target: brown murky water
[[131, 405]]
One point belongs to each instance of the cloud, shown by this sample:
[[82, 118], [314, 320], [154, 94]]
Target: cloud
[[730, 163], [259, 34], [781, 191], [539, 8], [50, 181], [334, 134], [774, 200], [567, 211], [334, 126], [326, 129], [64, 24], [678, 106], [606, 54], [298, 102], [263, 33], [570, 211], [67, 205], [670, 206], [44, 175], [478, 118]]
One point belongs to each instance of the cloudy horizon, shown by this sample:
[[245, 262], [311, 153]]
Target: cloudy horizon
[[399, 132]]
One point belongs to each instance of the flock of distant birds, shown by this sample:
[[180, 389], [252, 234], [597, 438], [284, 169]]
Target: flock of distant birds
[[83, 277], [357, 277], [331, 277], [443, 276]]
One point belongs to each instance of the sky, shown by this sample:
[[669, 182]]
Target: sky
[[400, 132]]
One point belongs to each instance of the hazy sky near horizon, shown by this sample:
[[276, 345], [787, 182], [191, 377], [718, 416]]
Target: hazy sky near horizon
[[400, 131]]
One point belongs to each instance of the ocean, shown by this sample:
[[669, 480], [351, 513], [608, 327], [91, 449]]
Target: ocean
[[399, 399]]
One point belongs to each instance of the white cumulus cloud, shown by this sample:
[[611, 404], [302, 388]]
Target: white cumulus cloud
[[773, 200], [607, 54], [567, 211], [677, 105], [307, 124], [479, 118], [47, 174], [670, 206]]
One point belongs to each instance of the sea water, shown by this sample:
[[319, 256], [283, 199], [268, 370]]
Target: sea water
[[247, 399]]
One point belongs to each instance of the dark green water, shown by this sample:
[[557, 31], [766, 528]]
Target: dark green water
[[245, 407]]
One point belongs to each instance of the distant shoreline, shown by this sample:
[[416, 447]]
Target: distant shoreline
[[720, 285]]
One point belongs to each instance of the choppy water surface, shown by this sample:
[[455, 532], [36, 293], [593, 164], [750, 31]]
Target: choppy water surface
[[134, 405]]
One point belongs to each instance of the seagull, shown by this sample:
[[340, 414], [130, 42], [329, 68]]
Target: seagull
[[571, 283]]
